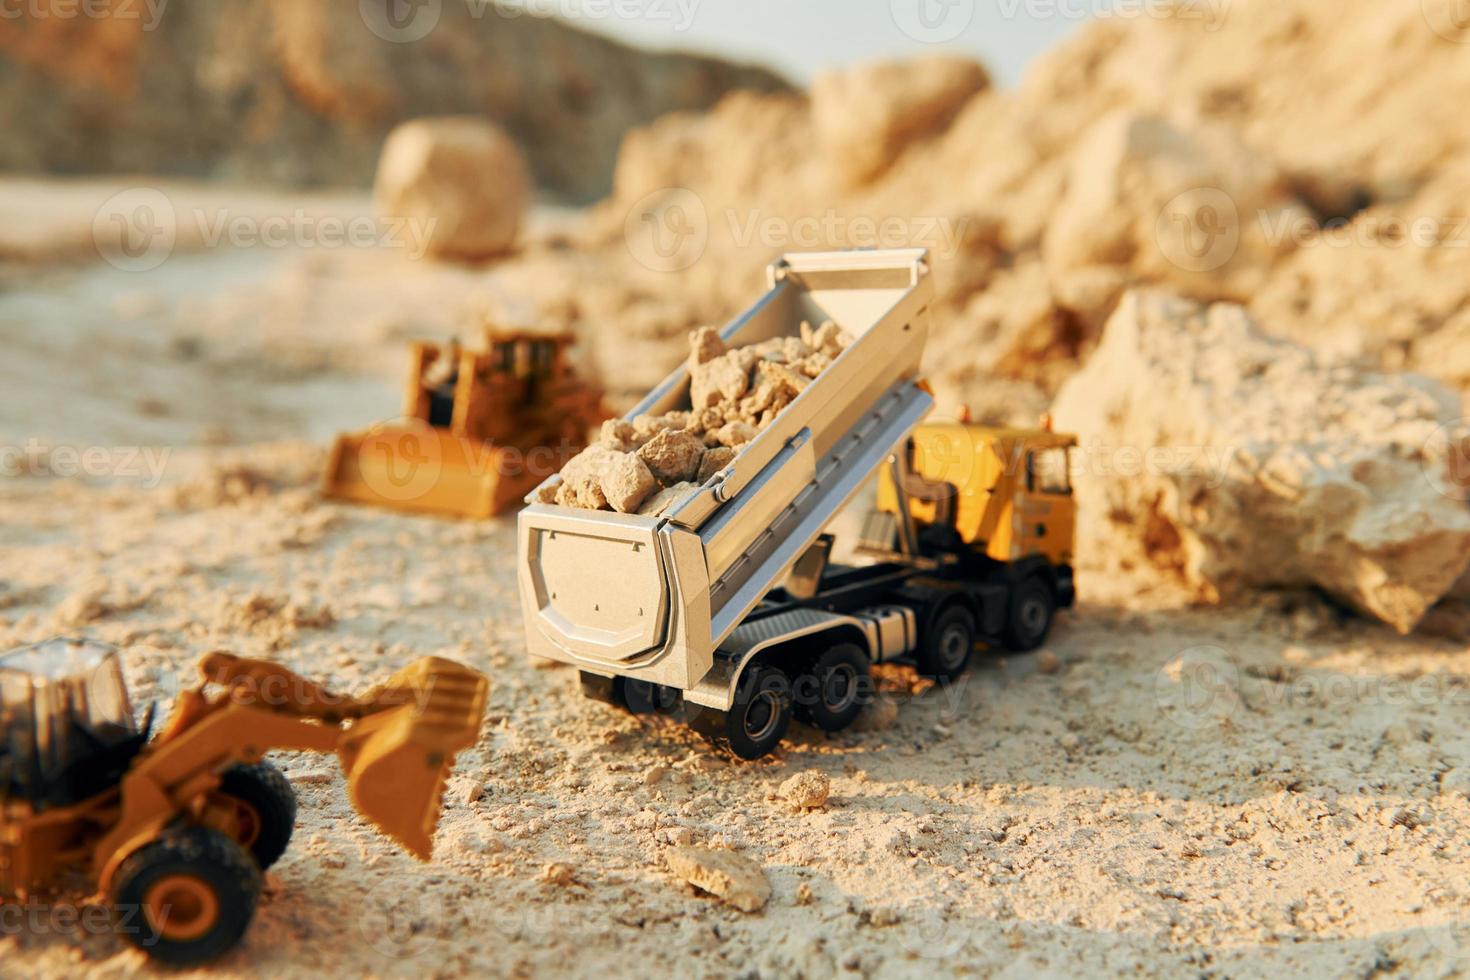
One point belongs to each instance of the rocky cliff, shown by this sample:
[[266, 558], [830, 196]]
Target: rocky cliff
[[302, 92]]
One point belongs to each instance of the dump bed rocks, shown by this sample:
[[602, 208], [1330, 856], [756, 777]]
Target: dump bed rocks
[[647, 464]]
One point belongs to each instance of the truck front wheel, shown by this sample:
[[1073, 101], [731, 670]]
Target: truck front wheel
[[759, 717], [1032, 608], [946, 648]]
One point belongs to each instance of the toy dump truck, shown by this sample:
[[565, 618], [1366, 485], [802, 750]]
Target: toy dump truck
[[728, 603], [481, 429], [175, 831]]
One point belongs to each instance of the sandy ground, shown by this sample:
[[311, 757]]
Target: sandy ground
[[1266, 790]]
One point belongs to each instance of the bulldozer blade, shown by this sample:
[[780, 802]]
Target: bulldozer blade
[[415, 467], [397, 759]]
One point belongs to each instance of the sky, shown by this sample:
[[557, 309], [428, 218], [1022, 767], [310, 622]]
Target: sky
[[801, 37]]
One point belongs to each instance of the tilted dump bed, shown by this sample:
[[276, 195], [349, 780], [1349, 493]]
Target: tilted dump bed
[[653, 597]]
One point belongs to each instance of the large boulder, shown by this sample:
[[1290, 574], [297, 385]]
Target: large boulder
[[1239, 460], [461, 178], [866, 116], [1159, 202]]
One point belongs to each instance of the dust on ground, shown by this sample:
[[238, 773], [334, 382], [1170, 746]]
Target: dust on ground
[[1271, 788]]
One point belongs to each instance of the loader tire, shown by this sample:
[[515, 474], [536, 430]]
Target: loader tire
[[757, 721], [188, 897], [266, 804]]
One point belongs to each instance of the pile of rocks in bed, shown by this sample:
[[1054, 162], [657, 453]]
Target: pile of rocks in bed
[[649, 464]]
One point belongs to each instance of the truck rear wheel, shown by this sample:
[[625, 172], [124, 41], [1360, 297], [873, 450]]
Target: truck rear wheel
[[757, 721], [832, 691], [188, 897], [643, 698], [265, 807], [946, 649], [1032, 608]]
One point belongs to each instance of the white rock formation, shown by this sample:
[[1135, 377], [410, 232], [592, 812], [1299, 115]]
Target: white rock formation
[[1241, 460]]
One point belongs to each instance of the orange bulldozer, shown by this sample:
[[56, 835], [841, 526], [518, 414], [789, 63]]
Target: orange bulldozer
[[482, 429], [175, 831]]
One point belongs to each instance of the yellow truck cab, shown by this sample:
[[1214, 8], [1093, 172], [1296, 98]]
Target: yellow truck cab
[[993, 509]]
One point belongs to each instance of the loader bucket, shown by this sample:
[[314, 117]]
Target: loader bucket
[[398, 759], [416, 467]]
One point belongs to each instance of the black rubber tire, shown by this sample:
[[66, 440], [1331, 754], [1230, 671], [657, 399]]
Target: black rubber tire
[[831, 691], [759, 718], [1030, 616], [267, 793], [948, 644], [210, 862], [642, 698]]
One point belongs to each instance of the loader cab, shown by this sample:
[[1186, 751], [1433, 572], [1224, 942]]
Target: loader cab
[[1001, 493], [67, 731]]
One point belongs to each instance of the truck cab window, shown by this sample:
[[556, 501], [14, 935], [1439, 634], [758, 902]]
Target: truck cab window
[[1048, 471]]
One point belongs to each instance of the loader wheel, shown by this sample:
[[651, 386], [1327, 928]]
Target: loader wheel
[[948, 644], [1032, 608], [832, 691], [188, 897], [757, 721], [265, 807]]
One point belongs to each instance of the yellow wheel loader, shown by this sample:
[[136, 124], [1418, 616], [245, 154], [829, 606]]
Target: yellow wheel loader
[[175, 831], [481, 429]]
